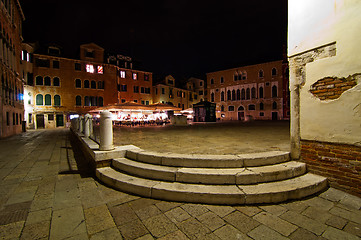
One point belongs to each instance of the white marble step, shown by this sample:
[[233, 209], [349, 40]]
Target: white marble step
[[271, 192], [225, 176], [208, 161]]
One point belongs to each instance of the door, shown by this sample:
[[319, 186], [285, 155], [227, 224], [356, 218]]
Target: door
[[59, 120], [274, 116], [240, 115], [40, 121]]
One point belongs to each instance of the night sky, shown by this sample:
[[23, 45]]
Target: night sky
[[183, 38]]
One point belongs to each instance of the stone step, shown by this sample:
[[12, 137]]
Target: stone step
[[271, 192], [208, 161], [225, 176]]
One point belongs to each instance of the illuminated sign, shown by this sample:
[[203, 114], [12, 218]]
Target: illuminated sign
[[100, 69], [89, 68]]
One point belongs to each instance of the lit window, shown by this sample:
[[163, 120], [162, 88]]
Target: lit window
[[122, 74], [90, 68], [134, 76], [100, 69]]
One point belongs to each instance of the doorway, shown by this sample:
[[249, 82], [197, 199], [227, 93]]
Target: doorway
[[274, 116], [59, 120], [40, 121]]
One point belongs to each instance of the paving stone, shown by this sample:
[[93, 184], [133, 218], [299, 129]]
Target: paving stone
[[305, 222], [118, 198], [229, 232], [98, 219], [353, 228], [81, 236], [177, 215], [133, 229], [141, 203], [221, 211], [108, 234], [11, 230], [194, 209], [352, 216], [333, 195], [160, 225], [275, 223], [39, 216], [296, 206], [20, 197], [320, 203], [317, 214], [351, 201], [66, 198], [262, 232], [241, 221], [336, 222], [36, 230], [146, 237], [303, 234], [211, 220], [174, 235], [248, 210], [122, 214], [274, 209], [147, 212], [7, 217], [166, 206], [67, 222], [193, 229], [42, 203], [335, 234]]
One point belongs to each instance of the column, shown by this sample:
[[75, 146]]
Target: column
[[106, 131]]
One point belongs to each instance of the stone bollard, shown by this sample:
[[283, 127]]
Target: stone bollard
[[81, 124], [106, 131], [87, 120]]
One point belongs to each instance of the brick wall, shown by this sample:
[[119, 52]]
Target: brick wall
[[340, 163], [331, 88]]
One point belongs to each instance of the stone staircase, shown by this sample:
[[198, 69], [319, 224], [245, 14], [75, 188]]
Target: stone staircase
[[267, 177]]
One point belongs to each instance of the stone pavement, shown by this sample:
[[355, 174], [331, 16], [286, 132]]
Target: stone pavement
[[47, 193]]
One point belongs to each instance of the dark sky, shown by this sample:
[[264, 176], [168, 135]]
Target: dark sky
[[180, 37]]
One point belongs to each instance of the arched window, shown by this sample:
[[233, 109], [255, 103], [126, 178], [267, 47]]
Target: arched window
[[93, 85], [260, 74], [93, 101], [240, 108], [251, 107], [233, 95], [248, 95], [240, 76], [253, 93], [243, 94], [101, 85], [238, 94], [77, 83], [274, 105], [86, 83], [229, 95], [244, 75], [39, 100], [222, 80], [222, 96], [261, 106], [47, 100], [100, 101], [235, 77], [56, 82], [56, 100], [274, 71], [212, 81], [39, 80], [86, 101], [212, 97], [222, 108], [78, 100], [274, 91], [261, 92], [47, 81]]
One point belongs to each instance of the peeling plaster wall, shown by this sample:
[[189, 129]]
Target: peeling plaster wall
[[311, 25]]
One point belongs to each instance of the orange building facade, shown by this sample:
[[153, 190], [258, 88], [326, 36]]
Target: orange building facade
[[11, 101], [61, 87], [255, 92]]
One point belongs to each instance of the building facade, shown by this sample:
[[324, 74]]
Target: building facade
[[11, 101], [167, 93], [258, 92], [59, 87]]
